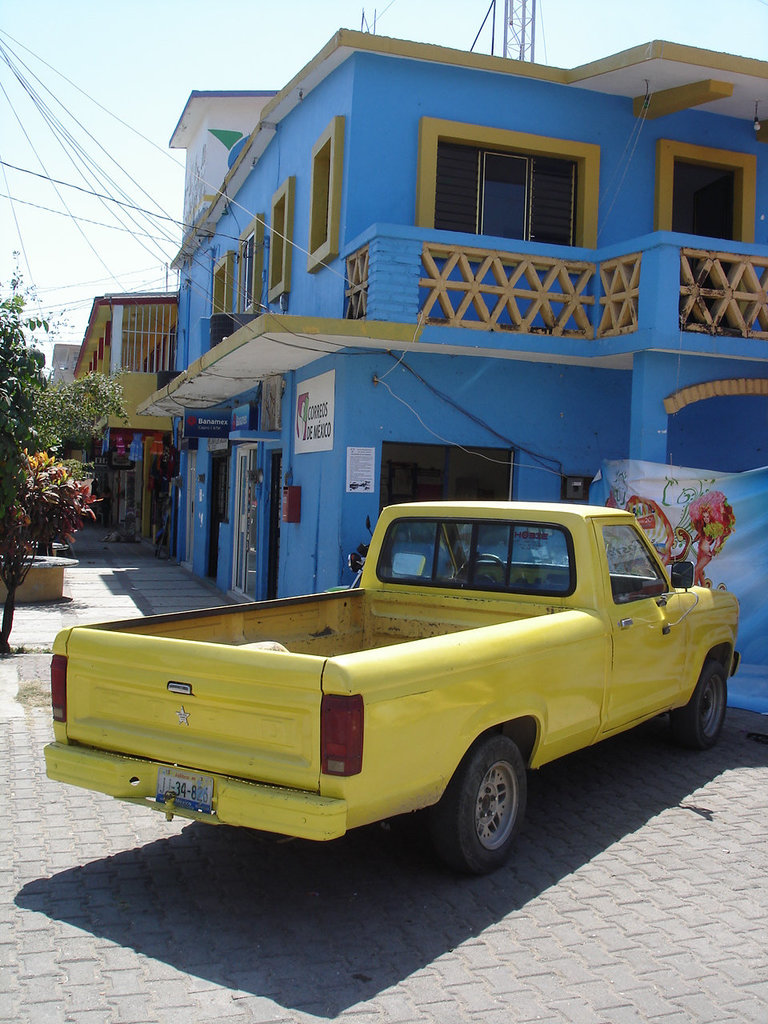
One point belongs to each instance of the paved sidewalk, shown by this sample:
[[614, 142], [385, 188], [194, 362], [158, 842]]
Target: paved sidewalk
[[106, 581]]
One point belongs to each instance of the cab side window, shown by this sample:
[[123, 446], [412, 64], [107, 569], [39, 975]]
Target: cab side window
[[633, 572]]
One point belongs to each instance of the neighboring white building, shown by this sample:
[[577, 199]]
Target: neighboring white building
[[213, 128], [63, 362]]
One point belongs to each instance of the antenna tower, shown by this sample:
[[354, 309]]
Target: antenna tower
[[520, 29]]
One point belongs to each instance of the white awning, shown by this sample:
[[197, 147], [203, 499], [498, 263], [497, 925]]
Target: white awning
[[271, 344]]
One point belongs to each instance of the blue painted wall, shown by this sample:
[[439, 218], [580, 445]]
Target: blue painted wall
[[559, 417]]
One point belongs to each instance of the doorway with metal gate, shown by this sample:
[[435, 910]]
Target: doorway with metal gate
[[219, 496]]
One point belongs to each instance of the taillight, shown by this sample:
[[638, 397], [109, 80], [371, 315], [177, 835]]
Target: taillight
[[341, 734], [59, 687]]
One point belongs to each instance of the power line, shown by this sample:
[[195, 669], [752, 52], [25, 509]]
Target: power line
[[90, 192], [106, 110], [84, 220]]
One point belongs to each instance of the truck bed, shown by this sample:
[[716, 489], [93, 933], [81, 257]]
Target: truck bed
[[328, 625]]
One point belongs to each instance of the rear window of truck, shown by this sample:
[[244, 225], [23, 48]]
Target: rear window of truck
[[518, 557]]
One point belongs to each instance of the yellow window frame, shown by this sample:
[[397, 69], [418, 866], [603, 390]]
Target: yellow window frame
[[254, 230], [281, 239], [743, 165], [223, 284], [586, 155], [325, 196]]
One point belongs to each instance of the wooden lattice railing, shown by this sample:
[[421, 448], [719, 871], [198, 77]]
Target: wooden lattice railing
[[620, 283], [501, 291], [357, 285], [723, 293]]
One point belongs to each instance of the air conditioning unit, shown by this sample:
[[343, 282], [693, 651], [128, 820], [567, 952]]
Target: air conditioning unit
[[222, 325]]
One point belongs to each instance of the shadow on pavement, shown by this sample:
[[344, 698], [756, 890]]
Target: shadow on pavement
[[320, 927]]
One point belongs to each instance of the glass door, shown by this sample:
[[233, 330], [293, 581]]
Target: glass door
[[244, 562]]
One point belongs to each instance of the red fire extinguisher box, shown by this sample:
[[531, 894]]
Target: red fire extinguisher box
[[291, 505]]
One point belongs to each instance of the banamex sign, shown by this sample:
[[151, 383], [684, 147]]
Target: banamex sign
[[315, 414]]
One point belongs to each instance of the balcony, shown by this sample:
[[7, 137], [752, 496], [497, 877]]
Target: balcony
[[582, 302]]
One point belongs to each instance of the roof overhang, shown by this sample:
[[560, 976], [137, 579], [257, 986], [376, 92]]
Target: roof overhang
[[276, 344], [270, 345]]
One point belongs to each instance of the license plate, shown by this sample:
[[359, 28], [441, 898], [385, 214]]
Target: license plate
[[188, 789]]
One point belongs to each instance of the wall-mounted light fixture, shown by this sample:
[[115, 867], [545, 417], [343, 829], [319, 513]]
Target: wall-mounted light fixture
[[756, 122]]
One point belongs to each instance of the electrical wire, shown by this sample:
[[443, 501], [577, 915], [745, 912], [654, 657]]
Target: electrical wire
[[106, 110], [62, 213], [73, 150], [537, 457], [48, 114], [63, 202], [637, 128], [90, 192]]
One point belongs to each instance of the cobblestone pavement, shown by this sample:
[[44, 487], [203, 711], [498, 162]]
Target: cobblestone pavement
[[639, 893]]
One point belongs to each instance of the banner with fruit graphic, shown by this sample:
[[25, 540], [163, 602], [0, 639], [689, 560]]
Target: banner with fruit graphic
[[717, 521]]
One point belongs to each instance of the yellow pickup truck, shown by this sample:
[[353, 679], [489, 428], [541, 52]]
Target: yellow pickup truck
[[485, 639]]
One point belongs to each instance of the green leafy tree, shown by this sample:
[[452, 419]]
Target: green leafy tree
[[50, 504], [73, 413], [20, 380]]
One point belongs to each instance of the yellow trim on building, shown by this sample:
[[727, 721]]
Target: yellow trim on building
[[682, 97], [224, 284], [743, 165], [714, 389], [586, 155], [281, 239], [325, 196]]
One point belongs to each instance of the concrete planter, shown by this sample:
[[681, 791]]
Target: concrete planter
[[44, 581]]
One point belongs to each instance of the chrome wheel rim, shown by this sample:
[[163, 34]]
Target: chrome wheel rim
[[496, 805]]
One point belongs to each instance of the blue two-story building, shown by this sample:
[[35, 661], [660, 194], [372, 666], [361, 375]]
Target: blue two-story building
[[429, 273]]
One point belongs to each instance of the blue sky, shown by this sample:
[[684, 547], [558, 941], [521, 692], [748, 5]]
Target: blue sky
[[116, 77]]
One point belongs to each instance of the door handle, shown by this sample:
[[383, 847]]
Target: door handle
[[626, 623]]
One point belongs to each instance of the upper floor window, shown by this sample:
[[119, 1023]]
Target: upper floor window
[[493, 181], [705, 191], [250, 266], [325, 195], [514, 195], [223, 284], [281, 240]]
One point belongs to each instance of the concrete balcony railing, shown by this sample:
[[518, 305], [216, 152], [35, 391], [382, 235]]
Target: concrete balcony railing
[[652, 286]]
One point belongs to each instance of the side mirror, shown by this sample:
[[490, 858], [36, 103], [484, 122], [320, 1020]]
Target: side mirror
[[682, 575]]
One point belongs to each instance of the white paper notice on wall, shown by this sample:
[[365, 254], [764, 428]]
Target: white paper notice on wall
[[314, 414], [360, 466]]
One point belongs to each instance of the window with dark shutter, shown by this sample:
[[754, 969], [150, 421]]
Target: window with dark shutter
[[457, 187], [553, 188], [512, 195]]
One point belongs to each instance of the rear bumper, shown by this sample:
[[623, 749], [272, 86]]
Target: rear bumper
[[289, 812]]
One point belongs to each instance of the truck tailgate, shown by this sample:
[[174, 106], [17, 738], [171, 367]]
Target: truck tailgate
[[252, 714]]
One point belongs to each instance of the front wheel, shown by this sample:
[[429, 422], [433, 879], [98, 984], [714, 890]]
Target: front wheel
[[698, 724], [474, 825]]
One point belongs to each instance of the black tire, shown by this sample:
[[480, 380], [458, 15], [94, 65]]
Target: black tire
[[474, 825], [699, 723]]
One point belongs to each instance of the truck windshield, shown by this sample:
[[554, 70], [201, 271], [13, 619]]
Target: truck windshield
[[520, 557]]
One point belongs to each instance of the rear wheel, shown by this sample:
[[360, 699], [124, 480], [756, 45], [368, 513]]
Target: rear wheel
[[698, 724], [474, 825]]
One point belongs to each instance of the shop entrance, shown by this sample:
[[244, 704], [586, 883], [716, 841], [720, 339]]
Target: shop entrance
[[275, 506], [219, 491]]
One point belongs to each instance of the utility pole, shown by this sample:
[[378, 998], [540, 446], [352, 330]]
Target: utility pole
[[520, 29]]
